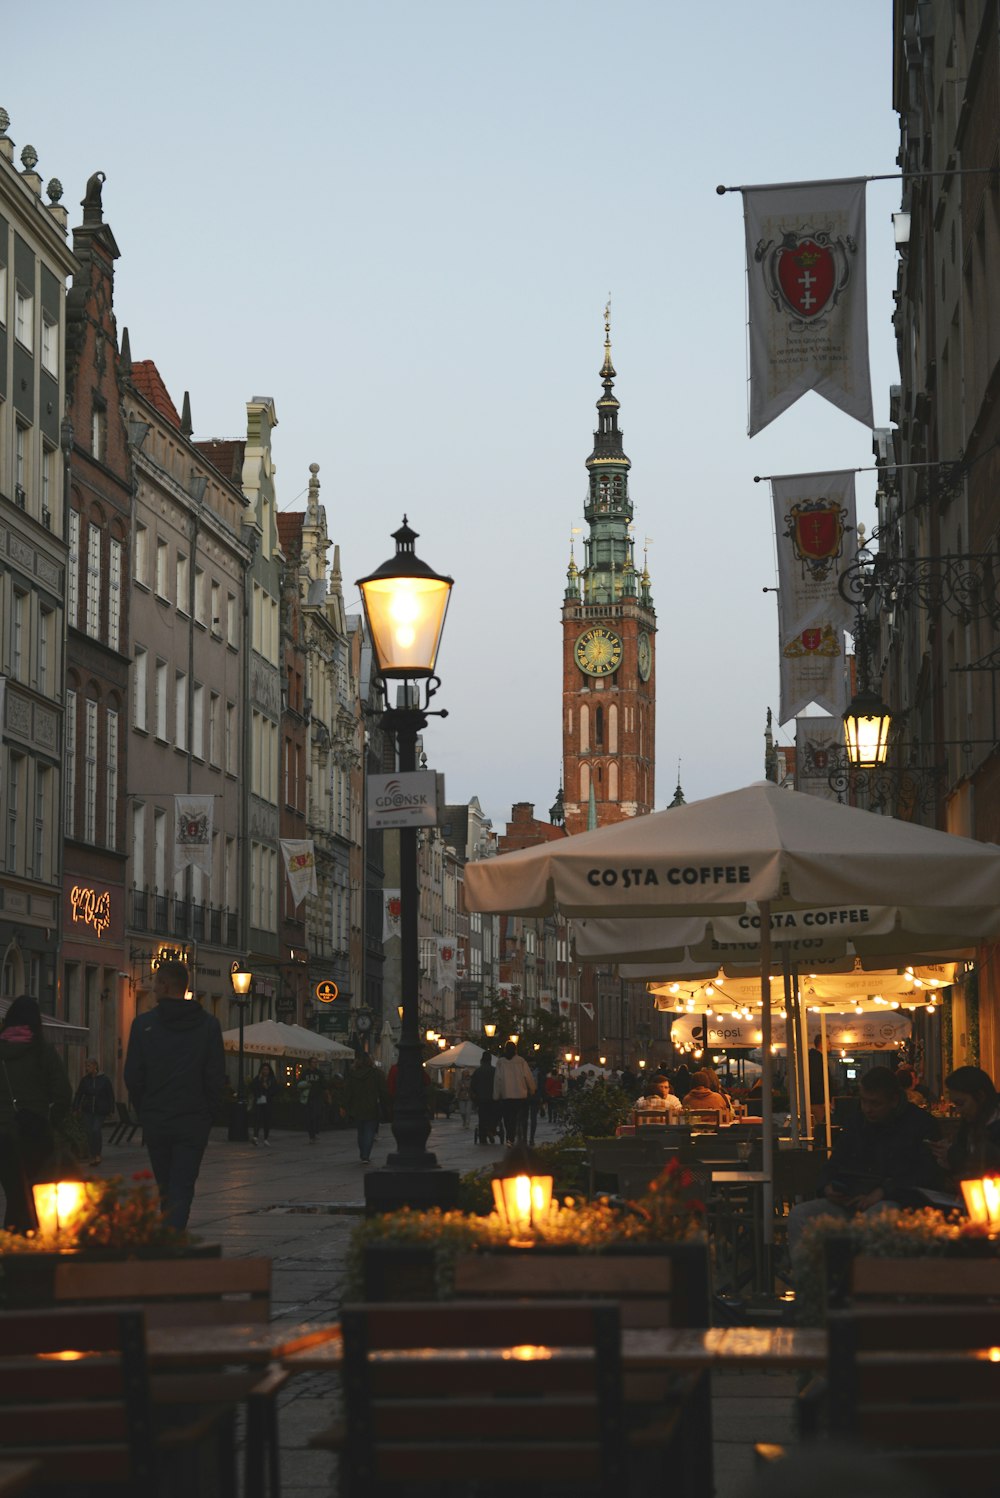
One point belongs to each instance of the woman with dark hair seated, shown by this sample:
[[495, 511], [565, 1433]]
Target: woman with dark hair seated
[[975, 1150]]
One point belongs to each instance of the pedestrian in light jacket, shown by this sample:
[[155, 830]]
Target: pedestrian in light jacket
[[513, 1085]]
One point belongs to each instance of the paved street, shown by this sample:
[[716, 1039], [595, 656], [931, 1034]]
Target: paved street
[[297, 1203]]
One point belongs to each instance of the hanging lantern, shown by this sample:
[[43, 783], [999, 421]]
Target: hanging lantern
[[522, 1193], [982, 1202], [866, 730]]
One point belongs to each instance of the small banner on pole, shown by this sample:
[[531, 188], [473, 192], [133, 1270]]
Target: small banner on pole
[[300, 866], [392, 909], [193, 817], [815, 520], [808, 303]]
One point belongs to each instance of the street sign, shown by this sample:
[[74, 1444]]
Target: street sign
[[407, 799], [326, 991]]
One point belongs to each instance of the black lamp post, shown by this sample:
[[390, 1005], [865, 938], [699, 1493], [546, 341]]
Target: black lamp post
[[242, 980], [405, 603]]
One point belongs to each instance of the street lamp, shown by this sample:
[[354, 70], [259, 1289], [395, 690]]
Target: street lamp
[[242, 980], [405, 603], [489, 1031]]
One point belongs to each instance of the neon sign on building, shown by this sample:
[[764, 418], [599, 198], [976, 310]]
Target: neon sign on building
[[90, 909]]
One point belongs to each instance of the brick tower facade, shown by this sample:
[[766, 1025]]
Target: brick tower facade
[[609, 645]]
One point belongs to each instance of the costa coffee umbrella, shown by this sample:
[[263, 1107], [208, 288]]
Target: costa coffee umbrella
[[760, 850]]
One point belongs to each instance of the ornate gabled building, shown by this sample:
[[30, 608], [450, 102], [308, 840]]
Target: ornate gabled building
[[609, 650], [35, 261], [94, 954]]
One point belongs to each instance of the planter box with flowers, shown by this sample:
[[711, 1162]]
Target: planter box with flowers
[[409, 1255], [109, 1219], [822, 1266]]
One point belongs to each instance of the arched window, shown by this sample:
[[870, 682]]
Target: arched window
[[598, 727], [585, 728], [613, 729], [584, 782], [613, 781]]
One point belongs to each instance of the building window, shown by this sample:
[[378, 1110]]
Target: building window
[[98, 431], [50, 346], [213, 728], [138, 844], [216, 609], [162, 558], [15, 791], [90, 774], [73, 571], [199, 596], [48, 486], [43, 781], [46, 648], [69, 787], [111, 783], [613, 781], [180, 709], [198, 721], [231, 747], [3, 296], [93, 581], [20, 638], [584, 729], [142, 556], [139, 689], [229, 875], [232, 621], [183, 581], [20, 464], [23, 316], [114, 594], [159, 849], [161, 700]]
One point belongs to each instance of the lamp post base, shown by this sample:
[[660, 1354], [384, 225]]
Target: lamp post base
[[389, 1189], [239, 1127]]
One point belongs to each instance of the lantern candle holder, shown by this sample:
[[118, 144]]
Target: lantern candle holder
[[982, 1202], [522, 1194], [60, 1206]]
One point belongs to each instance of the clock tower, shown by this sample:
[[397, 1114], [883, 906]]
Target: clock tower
[[609, 644]]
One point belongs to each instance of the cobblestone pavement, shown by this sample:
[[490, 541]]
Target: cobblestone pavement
[[297, 1203]]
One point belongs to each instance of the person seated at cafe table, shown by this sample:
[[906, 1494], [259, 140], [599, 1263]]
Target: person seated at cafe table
[[881, 1160], [703, 1096], [659, 1097], [975, 1149]]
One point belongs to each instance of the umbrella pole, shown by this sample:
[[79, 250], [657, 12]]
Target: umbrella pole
[[791, 1048], [826, 1080], [767, 1083], [804, 1049]]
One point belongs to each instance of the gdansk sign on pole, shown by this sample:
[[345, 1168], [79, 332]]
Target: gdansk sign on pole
[[407, 799]]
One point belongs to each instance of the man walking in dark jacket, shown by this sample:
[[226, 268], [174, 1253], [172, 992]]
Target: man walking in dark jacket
[[175, 1073]]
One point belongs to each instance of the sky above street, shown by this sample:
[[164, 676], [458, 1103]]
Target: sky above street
[[402, 221]]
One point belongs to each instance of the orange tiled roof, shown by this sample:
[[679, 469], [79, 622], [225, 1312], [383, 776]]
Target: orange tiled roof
[[147, 380], [290, 530]]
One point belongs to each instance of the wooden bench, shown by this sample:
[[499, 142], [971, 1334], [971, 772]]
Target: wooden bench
[[856, 1279], [75, 1400], [206, 1292]]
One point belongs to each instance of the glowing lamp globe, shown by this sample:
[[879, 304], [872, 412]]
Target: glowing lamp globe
[[60, 1206], [405, 603], [866, 730]]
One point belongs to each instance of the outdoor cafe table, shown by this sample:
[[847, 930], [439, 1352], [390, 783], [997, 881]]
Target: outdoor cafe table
[[251, 1346], [752, 1348], [736, 1185]]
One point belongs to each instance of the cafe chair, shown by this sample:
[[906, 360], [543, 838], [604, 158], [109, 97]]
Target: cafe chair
[[125, 1127], [202, 1292], [920, 1383], [75, 1401], [475, 1396]]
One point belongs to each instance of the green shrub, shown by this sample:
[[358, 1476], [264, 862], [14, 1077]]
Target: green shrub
[[594, 1112]]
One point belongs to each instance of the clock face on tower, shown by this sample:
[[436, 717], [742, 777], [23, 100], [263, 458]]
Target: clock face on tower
[[645, 655], [598, 651]]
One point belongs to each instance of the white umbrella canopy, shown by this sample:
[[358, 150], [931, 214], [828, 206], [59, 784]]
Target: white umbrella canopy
[[324, 1045], [759, 844], [466, 1053], [268, 1037]]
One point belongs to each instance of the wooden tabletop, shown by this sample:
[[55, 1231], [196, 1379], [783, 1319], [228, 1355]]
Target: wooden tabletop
[[752, 1347], [221, 1346]]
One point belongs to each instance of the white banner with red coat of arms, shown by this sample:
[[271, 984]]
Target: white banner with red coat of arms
[[193, 818], [299, 854], [392, 909], [815, 524], [808, 302], [446, 963]]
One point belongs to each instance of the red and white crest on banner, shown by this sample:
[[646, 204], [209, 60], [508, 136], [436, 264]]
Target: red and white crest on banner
[[807, 276]]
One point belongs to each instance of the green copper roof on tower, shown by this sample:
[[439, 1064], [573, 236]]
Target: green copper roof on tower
[[608, 573]]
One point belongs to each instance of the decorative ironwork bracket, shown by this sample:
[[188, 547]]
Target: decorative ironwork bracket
[[961, 583]]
